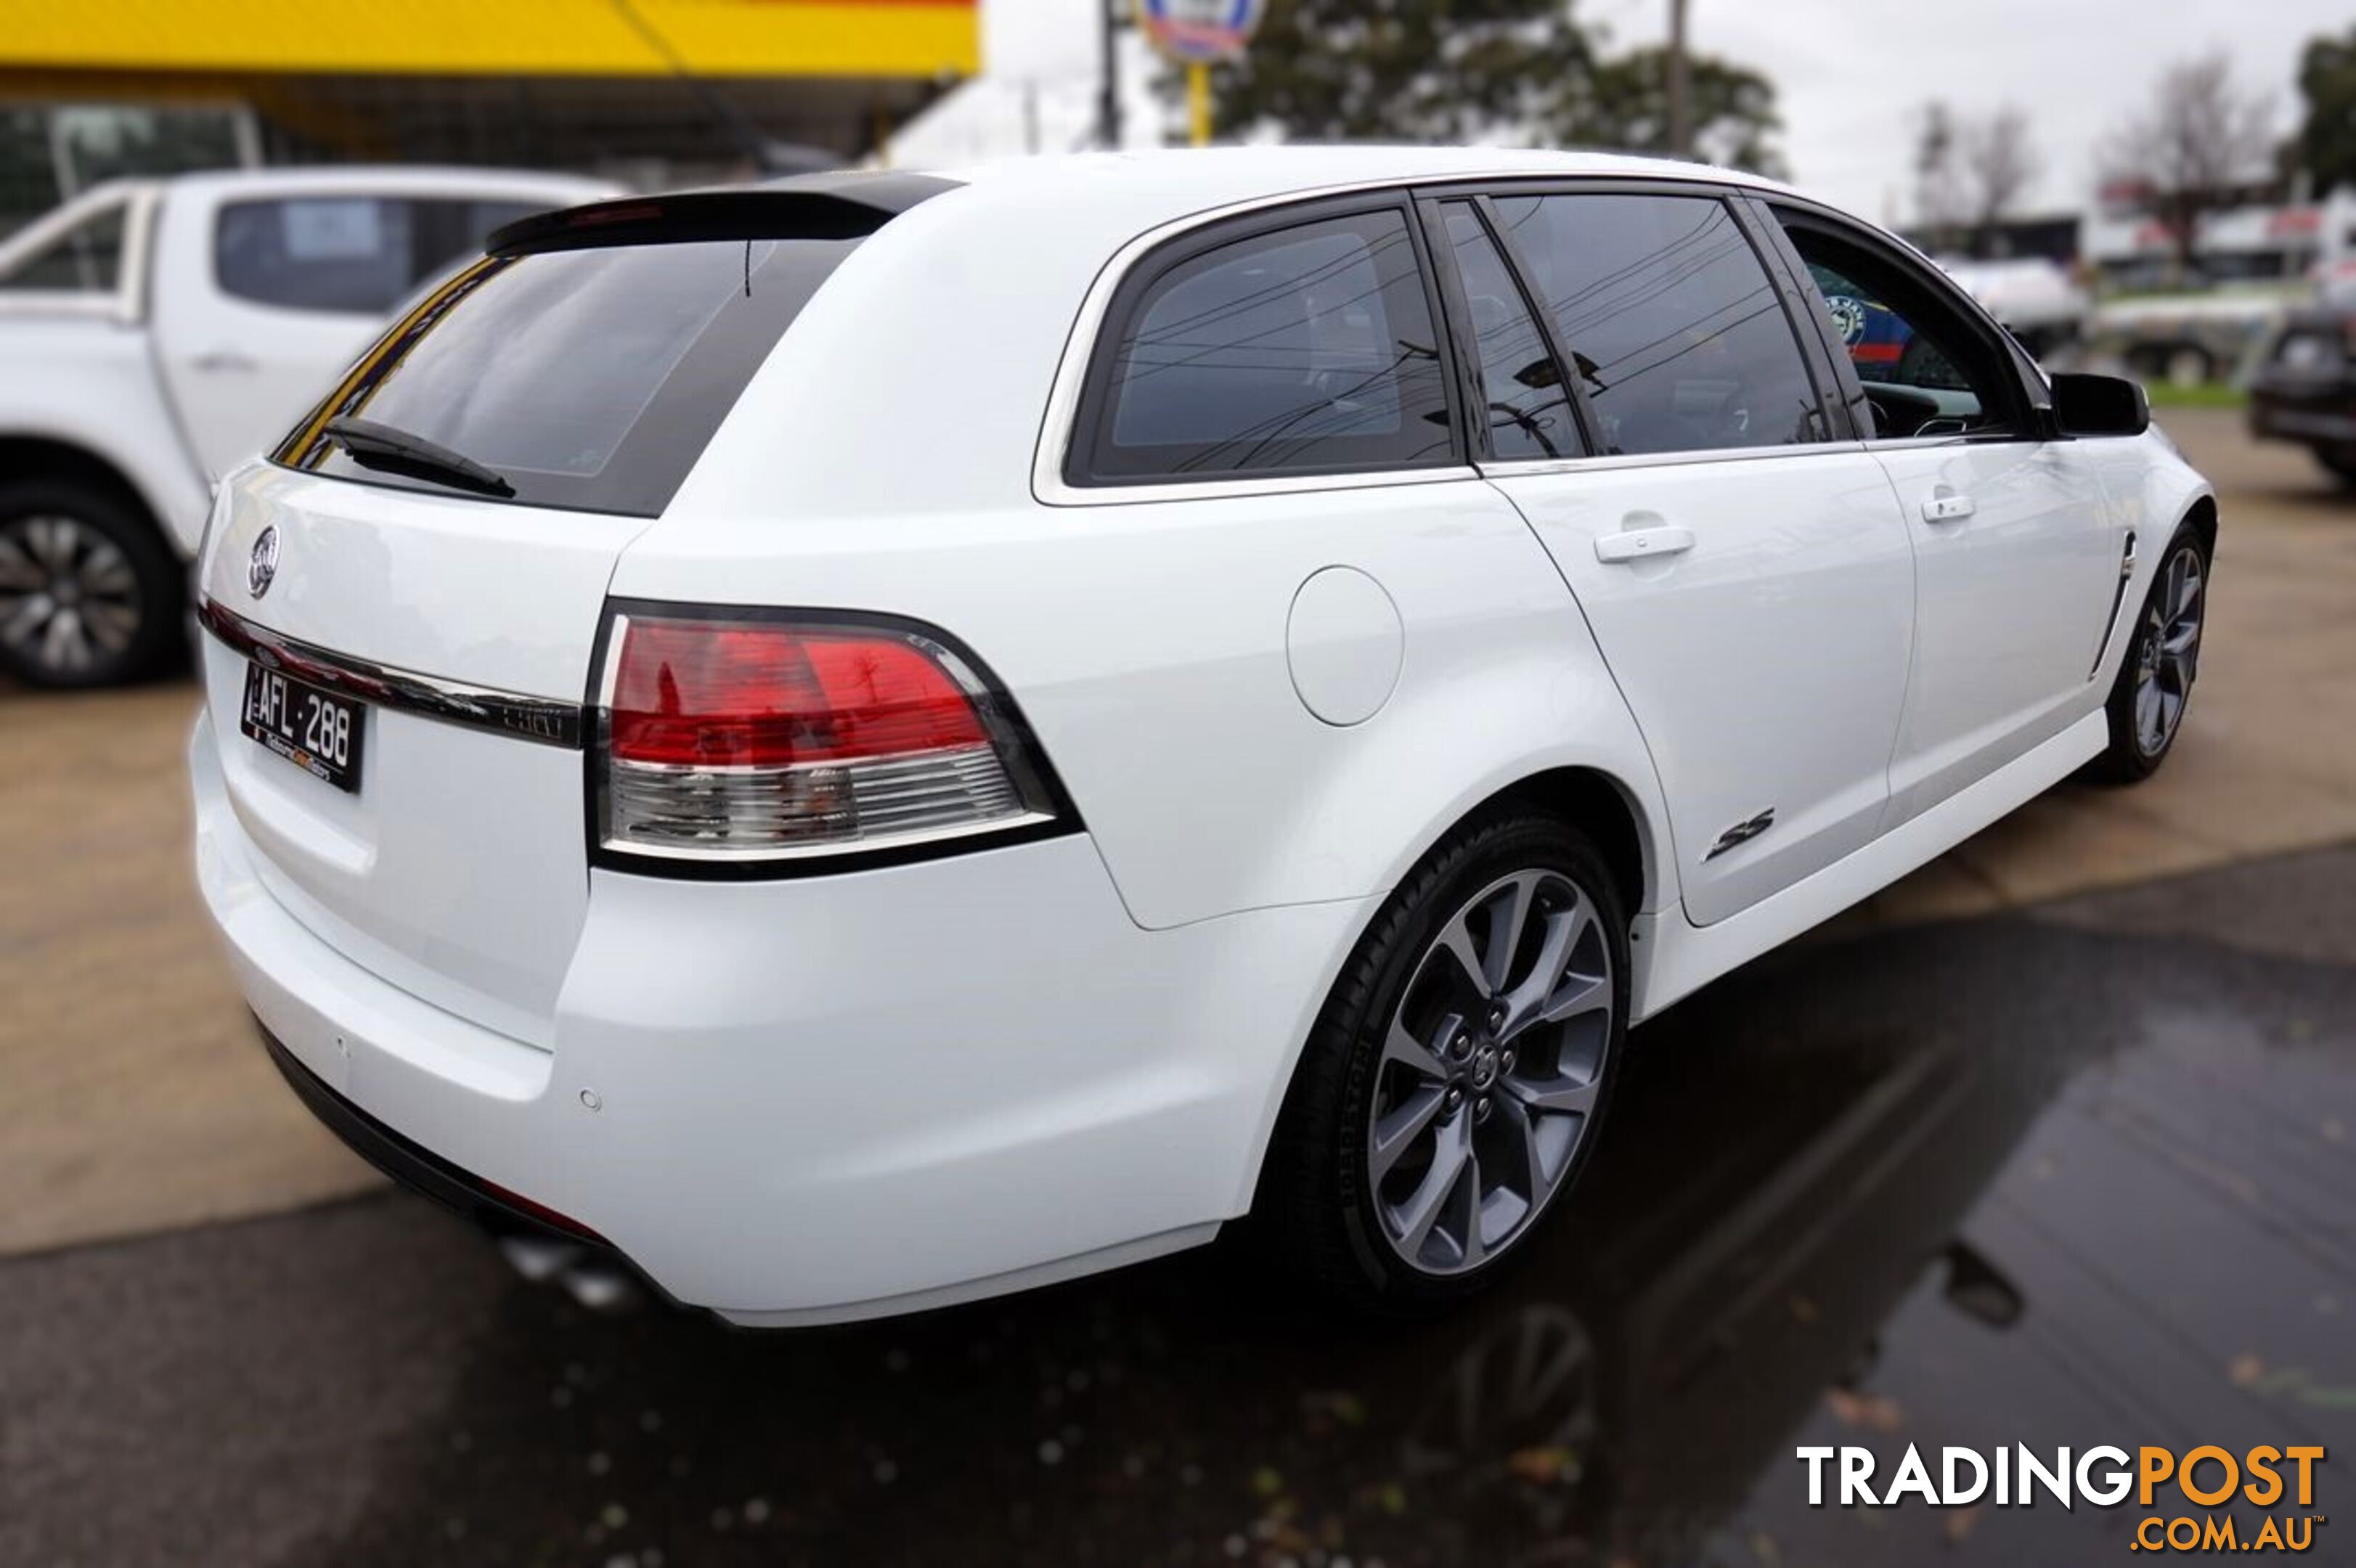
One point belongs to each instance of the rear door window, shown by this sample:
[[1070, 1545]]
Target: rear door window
[[1673, 327], [355, 255], [1304, 349], [1527, 405], [590, 379]]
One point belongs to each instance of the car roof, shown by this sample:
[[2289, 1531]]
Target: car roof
[[1218, 175]]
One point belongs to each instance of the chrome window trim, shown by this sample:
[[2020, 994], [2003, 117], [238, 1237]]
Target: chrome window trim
[[1057, 425], [1516, 467], [544, 721]]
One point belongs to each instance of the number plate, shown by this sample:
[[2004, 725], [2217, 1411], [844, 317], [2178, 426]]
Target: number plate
[[313, 730]]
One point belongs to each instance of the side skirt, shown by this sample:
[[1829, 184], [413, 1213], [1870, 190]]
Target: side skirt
[[1676, 958]]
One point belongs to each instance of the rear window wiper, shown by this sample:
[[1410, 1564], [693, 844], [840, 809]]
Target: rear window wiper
[[391, 451]]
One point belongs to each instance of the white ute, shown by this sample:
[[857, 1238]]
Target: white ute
[[155, 333]]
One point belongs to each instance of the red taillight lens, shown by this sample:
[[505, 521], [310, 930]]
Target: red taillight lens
[[717, 695], [750, 740]]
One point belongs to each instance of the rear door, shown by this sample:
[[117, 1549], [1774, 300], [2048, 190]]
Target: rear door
[[2018, 565], [263, 298], [433, 832], [1749, 580]]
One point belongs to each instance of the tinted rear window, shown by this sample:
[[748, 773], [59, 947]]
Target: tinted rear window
[[589, 379]]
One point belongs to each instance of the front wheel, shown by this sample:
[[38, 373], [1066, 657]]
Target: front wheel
[[1453, 1087], [2338, 461], [90, 593], [2155, 681]]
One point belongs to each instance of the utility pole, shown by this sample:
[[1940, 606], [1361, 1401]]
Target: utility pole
[[1680, 86], [1109, 79]]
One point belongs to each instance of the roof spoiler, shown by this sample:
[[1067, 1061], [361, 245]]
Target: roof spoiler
[[806, 206]]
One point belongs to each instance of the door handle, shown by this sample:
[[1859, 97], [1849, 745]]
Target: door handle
[[1948, 507], [1641, 544], [214, 360]]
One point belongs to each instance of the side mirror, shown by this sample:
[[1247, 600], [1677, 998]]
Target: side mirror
[[2100, 405]]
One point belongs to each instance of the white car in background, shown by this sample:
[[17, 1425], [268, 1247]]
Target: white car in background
[[155, 333], [885, 739]]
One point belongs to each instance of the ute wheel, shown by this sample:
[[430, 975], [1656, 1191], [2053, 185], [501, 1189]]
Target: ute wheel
[[90, 593], [2340, 462], [2155, 681], [1453, 1086]]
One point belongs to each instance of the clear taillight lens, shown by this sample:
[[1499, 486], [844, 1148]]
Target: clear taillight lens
[[749, 740]]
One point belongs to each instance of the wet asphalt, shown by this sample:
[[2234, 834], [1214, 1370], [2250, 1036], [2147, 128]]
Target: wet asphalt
[[2085, 1174]]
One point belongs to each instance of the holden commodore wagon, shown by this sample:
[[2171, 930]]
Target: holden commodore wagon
[[883, 739]]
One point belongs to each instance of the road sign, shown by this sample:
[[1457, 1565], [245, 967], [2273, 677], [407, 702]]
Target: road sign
[[1197, 34], [1200, 32]]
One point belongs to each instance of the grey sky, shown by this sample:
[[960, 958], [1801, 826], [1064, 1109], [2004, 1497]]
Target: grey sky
[[1851, 76]]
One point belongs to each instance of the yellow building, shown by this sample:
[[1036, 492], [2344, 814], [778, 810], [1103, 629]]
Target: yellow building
[[654, 90]]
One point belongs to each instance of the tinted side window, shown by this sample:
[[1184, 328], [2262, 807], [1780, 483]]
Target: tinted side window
[[1924, 371], [1528, 408], [347, 253], [1670, 319], [1307, 348], [359, 255]]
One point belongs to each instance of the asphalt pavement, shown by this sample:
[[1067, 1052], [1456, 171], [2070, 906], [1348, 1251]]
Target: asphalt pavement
[[2073, 1175]]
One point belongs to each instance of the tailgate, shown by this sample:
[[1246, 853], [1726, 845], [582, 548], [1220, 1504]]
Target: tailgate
[[457, 870]]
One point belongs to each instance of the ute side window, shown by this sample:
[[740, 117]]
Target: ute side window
[[356, 255], [1926, 369], [1673, 327], [1308, 350]]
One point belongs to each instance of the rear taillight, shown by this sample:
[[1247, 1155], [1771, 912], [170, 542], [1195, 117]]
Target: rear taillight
[[728, 738]]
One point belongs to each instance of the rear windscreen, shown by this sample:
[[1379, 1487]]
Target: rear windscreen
[[589, 379]]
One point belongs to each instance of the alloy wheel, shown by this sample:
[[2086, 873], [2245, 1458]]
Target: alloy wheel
[[68, 597], [1490, 1071], [2167, 653]]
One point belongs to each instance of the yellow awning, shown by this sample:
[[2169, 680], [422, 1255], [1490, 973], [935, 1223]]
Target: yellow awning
[[908, 38]]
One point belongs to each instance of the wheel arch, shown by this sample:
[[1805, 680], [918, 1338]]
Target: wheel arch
[[1610, 809], [27, 456]]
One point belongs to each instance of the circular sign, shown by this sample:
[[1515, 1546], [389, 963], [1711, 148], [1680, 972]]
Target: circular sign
[[1198, 32]]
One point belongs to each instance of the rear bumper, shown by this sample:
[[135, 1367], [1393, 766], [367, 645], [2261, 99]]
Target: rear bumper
[[826, 1098]]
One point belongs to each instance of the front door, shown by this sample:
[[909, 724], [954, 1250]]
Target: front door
[[2017, 562]]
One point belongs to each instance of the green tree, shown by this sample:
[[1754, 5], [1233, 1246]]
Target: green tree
[[1623, 103], [1445, 71], [2326, 142], [1457, 70]]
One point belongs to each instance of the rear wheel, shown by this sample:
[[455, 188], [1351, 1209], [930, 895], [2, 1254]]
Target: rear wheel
[[2154, 682], [1452, 1090], [90, 593], [2340, 461]]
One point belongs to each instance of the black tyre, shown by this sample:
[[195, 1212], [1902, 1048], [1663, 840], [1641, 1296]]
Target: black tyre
[[2163, 658], [90, 593], [1453, 1086], [2338, 461]]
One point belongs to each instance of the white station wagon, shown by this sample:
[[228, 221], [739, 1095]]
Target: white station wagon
[[883, 739]]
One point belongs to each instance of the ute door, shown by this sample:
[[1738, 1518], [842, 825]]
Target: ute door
[[264, 297], [1749, 582], [2018, 565]]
